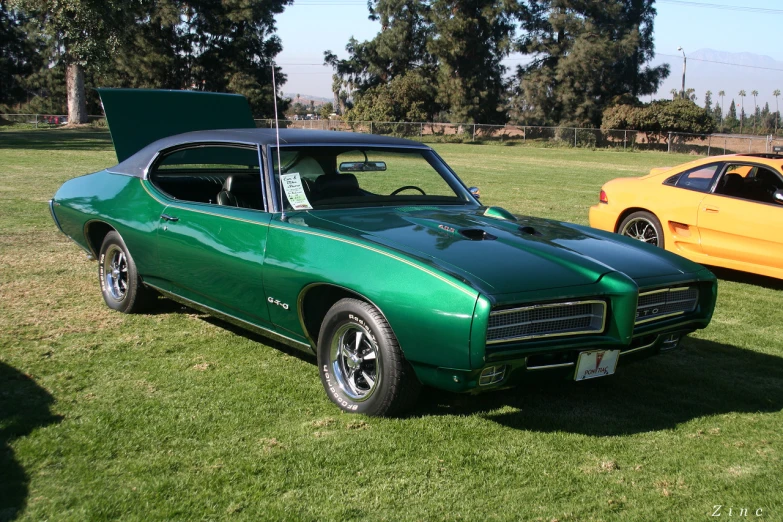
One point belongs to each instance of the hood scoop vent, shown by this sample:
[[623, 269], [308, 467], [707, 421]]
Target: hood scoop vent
[[476, 234], [530, 231]]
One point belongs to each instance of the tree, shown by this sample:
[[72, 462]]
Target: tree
[[85, 31], [233, 48], [587, 54], [326, 110], [203, 45], [473, 36], [742, 108], [708, 101], [660, 117], [675, 94], [400, 99], [755, 93], [776, 94], [399, 47], [717, 115], [721, 94], [340, 95], [297, 109], [731, 117], [20, 53]]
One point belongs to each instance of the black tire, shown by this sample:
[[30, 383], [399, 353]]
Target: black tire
[[121, 285], [361, 365], [643, 226]]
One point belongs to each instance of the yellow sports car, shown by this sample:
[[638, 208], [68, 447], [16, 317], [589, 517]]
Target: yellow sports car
[[722, 211]]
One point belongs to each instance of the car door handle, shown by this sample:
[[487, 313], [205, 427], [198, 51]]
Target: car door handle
[[711, 209], [166, 217]]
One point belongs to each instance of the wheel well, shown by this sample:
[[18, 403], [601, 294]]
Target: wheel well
[[627, 212], [317, 301], [95, 233]]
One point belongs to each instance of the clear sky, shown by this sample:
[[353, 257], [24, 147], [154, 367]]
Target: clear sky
[[309, 27]]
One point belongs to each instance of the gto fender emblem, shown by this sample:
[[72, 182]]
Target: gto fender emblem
[[277, 302]]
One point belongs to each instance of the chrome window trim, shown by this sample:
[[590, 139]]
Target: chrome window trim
[[549, 305]]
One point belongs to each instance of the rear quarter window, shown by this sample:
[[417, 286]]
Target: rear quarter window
[[699, 179]]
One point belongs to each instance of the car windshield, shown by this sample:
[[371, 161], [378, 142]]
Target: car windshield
[[343, 177]]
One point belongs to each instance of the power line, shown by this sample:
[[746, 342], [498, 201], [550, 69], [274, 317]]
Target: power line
[[764, 10], [722, 63]]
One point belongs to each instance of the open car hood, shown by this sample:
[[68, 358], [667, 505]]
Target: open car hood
[[137, 117], [500, 256]]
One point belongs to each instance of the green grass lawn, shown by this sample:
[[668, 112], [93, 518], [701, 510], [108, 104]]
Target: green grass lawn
[[179, 416]]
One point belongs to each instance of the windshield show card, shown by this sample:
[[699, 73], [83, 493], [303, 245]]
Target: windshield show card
[[292, 185]]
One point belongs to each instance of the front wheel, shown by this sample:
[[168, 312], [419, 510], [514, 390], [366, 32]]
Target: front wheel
[[643, 226], [361, 365]]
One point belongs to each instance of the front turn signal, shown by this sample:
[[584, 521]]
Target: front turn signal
[[602, 198]]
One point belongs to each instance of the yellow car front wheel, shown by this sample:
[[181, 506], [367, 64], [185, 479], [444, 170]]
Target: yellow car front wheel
[[643, 226]]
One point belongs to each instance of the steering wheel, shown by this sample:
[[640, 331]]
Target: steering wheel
[[406, 187]]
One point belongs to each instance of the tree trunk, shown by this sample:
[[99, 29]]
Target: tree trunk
[[77, 99]]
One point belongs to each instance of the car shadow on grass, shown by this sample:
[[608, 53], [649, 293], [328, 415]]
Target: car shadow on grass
[[258, 338], [24, 406], [704, 378], [736, 276], [699, 379]]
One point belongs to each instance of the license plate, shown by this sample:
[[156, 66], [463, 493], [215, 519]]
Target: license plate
[[597, 363]]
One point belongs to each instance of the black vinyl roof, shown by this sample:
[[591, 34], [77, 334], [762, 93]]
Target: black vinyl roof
[[136, 164]]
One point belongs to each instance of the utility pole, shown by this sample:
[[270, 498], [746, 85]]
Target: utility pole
[[684, 62]]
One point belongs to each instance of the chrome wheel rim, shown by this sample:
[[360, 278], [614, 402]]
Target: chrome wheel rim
[[641, 229], [355, 361], [115, 270]]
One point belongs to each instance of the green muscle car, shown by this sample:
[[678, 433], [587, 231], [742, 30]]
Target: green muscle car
[[367, 251]]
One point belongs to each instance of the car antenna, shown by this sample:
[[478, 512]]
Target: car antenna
[[277, 137]]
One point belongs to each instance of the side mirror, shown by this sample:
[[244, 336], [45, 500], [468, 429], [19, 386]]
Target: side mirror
[[778, 197], [475, 192]]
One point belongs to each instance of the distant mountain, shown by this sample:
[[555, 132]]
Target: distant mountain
[[708, 69], [305, 98]]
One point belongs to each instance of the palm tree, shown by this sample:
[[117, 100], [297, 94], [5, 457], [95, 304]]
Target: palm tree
[[674, 94], [755, 109], [776, 93], [742, 108], [721, 94]]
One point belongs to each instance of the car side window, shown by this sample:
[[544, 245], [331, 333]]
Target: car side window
[[226, 175], [699, 179], [750, 182]]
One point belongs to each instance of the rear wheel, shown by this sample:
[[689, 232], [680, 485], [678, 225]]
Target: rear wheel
[[643, 226], [121, 285], [361, 364]]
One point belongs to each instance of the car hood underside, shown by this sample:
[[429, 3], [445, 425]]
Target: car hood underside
[[500, 256]]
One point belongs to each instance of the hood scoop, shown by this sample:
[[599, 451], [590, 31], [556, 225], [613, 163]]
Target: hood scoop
[[476, 234], [530, 231]]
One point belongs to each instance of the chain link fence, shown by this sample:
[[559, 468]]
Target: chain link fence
[[672, 142], [47, 120], [461, 132], [717, 144]]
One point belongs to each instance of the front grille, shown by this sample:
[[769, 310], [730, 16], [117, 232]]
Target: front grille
[[666, 302], [548, 320]]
